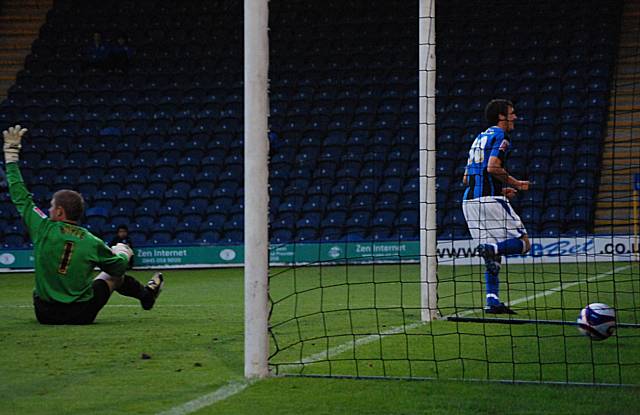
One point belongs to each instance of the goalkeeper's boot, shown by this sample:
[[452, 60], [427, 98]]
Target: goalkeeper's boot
[[501, 308], [152, 291], [487, 253]]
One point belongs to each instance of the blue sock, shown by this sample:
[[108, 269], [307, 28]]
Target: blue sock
[[492, 288], [510, 246]]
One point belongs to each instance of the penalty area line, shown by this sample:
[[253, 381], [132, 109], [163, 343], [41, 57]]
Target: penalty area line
[[220, 394], [568, 285]]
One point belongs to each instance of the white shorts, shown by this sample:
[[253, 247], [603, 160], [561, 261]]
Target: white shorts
[[491, 219]]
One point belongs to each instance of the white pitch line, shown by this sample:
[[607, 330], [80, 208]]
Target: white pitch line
[[209, 399], [567, 285]]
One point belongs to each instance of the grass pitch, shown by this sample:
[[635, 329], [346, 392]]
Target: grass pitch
[[365, 321], [132, 361]]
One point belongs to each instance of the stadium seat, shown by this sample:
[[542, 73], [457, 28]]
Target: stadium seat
[[553, 217], [173, 122]]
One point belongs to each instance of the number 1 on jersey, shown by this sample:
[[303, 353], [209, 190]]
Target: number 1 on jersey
[[66, 257]]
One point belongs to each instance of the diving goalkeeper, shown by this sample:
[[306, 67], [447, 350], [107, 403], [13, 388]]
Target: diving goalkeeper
[[66, 254]]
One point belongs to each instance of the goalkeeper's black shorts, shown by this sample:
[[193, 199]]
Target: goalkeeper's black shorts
[[84, 312]]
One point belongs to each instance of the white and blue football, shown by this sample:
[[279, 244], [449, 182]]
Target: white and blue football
[[597, 321]]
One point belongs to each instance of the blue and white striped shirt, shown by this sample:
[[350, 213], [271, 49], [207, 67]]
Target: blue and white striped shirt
[[490, 143]]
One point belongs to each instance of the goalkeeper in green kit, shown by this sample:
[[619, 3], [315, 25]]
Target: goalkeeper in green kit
[[66, 254]]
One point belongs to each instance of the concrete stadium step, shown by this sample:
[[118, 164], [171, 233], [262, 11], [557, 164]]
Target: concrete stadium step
[[615, 190], [621, 140], [20, 22], [19, 7], [618, 149], [632, 120], [619, 170], [624, 106], [12, 68], [616, 198], [617, 167], [626, 75], [632, 154], [616, 204], [618, 153], [616, 184], [617, 224], [618, 228], [629, 88], [606, 190], [625, 98], [621, 149], [614, 222], [616, 187], [11, 59], [13, 44], [621, 217], [5, 84], [620, 165], [623, 135], [612, 184]]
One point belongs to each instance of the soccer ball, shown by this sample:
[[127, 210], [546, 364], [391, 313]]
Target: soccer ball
[[597, 321]]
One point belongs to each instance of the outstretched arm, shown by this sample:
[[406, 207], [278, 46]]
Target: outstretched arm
[[20, 196], [13, 143]]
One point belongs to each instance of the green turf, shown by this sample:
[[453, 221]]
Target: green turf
[[337, 307], [195, 338], [340, 396]]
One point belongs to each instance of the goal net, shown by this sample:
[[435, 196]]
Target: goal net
[[373, 270]]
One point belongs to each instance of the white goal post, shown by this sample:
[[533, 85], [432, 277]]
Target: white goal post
[[427, 122], [256, 188]]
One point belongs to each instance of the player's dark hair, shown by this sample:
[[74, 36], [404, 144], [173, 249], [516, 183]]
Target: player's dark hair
[[122, 228], [497, 107], [72, 203]]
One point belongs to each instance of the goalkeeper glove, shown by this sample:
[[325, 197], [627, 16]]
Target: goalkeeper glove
[[122, 249], [12, 138]]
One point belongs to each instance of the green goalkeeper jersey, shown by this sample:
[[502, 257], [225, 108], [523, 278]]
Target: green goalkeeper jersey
[[65, 254]]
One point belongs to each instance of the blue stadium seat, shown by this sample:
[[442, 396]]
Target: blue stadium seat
[[233, 236], [359, 220], [551, 231], [138, 238], [161, 238], [186, 238], [306, 235], [281, 236], [559, 182], [583, 197], [584, 180], [530, 216], [579, 216], [407, 218], [383, 219], [311, 220], [553, 216], [165, 222], [181, 106], [407, 233]]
